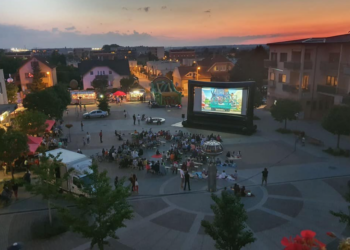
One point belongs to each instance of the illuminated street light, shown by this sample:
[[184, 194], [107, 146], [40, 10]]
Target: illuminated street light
[[198, 68], [9, 80], [101, 96]]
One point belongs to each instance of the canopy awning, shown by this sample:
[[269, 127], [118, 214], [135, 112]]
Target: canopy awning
[[119, 93], [50, 124], [33, 147], [34, 140]]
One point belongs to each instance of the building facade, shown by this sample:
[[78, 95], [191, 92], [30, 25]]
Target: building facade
[[160, 68], [314, 71], [48, 72], [218, 66], [112, 71], [181, 54], [3, 93]]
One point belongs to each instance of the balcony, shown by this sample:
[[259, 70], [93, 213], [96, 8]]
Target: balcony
[[327, 66], [333, 90], [293, 88], [270, 63]]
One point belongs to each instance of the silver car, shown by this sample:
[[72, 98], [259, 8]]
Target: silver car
[[95, 114]]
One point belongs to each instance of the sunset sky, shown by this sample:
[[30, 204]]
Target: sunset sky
[[92, 23]]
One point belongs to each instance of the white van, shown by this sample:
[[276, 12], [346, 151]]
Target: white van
[[81, 169]]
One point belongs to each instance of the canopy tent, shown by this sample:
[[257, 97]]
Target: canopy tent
[[34, 140], [33, 147], [119, 93], [50, 124]]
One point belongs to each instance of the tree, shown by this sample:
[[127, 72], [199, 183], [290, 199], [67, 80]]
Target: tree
[[258, 98], [101, 212], [46, 101], [31, 122], [343, 217], [228, 229], [337, 121], [285, 109], [103, 101], [57, 58], [100, 83], [12, 145], [37, 80], [250, 66], [46, 183], [126, 83], [169, 75], [152, 57], [63, 94], [11, 90], [10, 65]]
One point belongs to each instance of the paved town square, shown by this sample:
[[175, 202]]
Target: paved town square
[[303, 185]]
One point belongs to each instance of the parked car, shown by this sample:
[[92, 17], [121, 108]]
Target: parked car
[[95, 114]]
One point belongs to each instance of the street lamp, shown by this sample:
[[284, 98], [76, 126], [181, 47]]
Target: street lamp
[[9, 80], [198, 68]]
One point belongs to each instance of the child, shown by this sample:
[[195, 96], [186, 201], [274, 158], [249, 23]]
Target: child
[[136, 186]]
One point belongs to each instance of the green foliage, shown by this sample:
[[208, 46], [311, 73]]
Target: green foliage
[[10, 65], [66, 73], [42, 229], [50, 101], [126, 83], [258, 98], [30, 122], [12, 145], [250, 66], [343, 217], [152, 57], [100, 83], [169, 75], [99, 214], [103, 102], [285, 109], [37, 80], [11, 90], [337, 152], [57, 58], [229, 229], [337, 121]]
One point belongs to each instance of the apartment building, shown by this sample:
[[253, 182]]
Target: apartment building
[[314, 71], [181, 54]]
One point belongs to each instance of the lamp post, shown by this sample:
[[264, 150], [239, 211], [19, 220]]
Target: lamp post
[[198, 68], [212, 149]]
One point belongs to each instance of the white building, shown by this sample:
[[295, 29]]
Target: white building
[[3, 93], [113, 71], [161, 67]]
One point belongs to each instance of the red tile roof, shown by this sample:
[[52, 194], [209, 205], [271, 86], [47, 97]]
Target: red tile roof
[[345, 38], [203, 72]]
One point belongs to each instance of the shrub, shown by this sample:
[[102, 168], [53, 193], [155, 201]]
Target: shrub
[[41, 229], [337, 152], [284, 131]]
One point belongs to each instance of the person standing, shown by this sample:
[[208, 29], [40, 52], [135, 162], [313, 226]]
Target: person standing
[[4, 168], [182, 176], [15, 188], [134, 118], [100, 136], [26, 177], [87, 137], [125, 113], [187, 181], [265, 173], [116, 180], [138, 119], [82, 126]]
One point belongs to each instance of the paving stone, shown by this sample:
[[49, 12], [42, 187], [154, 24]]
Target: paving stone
[[288, 207], [147, 207], [259, 221], [339, 184], [176, 220], [283, 189]]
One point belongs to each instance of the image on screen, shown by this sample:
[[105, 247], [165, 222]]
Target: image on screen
[[218, 100]]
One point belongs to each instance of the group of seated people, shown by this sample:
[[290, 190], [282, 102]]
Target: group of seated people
[[241, 191], [233, 154], [224, 175]]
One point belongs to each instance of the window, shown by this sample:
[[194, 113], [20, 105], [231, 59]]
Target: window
[[283, 57], [314, 104], [305, 84], [29, 75], [272, 76], [332, 80], [91, 72], [282, 78], [34, 64], [273, 56], [307, 56], [110, 72], [334, 57]]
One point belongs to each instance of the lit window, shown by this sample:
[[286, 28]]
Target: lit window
[[332, 80], [282, 78], [272, 76]]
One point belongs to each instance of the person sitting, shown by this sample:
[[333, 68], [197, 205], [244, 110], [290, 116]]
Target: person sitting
[[228, 155], [157, 152], [218, 162], [156, 167], [223, 175]]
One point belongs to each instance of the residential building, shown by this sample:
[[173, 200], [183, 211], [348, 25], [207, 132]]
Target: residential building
[[156, 51], [48, 72], [159, 68], [5, 107], [189, 61], [21, 54], [314, 71], [218, 66], [181, 54], [49, 51], [82, 53], [3, 93], [133, 65], [111, 70], [182, 74], [102, 55]]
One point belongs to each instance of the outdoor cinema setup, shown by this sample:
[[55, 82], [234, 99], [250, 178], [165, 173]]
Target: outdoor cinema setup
[[221, 106]]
